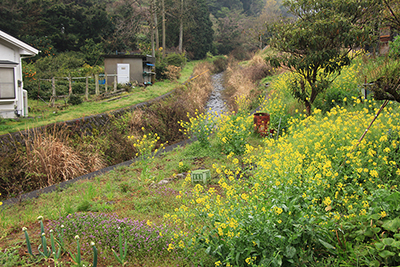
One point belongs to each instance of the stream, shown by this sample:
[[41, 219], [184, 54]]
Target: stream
[[215, 103]]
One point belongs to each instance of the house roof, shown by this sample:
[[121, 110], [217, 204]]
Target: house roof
[[8, 62], [24, 49]]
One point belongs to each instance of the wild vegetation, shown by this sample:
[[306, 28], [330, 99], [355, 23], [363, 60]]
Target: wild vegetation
[[59, 154], [320, 189], [316, 194]]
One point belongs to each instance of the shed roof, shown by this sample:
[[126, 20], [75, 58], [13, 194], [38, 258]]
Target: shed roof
[[124, 56]]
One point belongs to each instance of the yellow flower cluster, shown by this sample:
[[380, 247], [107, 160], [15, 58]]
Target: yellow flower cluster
[[319, 174], [201, 126], [233, 131], [145, 146]]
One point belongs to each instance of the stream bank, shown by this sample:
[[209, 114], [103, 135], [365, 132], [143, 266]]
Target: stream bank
[[214, 104]]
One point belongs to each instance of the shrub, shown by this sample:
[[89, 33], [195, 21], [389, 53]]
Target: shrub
[[78, 87], [220, 64], [161, 67], [239, 53], [177, 60], [75, 100], [394, 46]]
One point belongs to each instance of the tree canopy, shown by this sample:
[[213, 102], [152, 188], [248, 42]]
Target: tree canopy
[[320, 41], [105, 26]]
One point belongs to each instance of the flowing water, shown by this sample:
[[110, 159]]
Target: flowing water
[[215, 103]]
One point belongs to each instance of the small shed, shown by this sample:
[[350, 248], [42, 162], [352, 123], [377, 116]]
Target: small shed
[[130, 68], [13, 98]]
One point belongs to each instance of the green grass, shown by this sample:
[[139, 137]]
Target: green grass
[[121, 191], [43, 114]]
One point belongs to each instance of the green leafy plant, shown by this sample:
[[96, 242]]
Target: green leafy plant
[[52, 251], [46, 252], [394, 46], [28, 242], [77, 257], [55, 253], [123, 248], [75, 100], [183, 167]]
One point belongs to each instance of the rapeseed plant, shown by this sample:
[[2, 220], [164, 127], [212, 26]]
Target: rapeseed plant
[[233, 132], [201, 126], [146, 147], [305, 187]]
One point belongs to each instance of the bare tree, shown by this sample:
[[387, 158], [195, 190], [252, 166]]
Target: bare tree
[[163, 26], [181, 29], [152, 27], [128, 15], [392, 17]]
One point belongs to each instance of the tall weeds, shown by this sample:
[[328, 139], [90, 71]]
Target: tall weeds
[[241, 81], [49, 159]]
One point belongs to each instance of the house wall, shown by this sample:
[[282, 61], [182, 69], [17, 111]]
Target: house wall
[[9, 106], [136, 68]]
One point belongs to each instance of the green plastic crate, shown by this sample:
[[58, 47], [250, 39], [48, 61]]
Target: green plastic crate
[[200, 176]]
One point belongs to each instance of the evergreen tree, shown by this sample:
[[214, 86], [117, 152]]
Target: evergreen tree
[[199, 38]]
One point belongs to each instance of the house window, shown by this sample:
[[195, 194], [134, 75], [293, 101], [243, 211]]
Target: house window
[[7, 88]]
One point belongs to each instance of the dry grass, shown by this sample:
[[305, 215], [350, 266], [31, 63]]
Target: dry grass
[[172, 73], [257, 60], [92, 160], [241, 81], [200, 87], [135, 122], [49, 159]]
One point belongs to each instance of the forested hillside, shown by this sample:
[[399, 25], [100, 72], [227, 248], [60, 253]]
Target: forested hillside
[[105, 26]]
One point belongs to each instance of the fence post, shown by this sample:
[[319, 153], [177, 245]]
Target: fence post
[[87, 88], [69, 83], [105, 83], [38, 92], [96, 80], [115, 83], [53, 86]]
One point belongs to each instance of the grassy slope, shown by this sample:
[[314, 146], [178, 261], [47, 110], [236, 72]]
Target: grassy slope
[[129, 193], [43, 114]]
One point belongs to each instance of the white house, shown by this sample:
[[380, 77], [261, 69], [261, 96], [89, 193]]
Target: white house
[[13, 98]]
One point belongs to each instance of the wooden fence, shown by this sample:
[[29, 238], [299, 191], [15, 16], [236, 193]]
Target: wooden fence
[[70, 79]]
